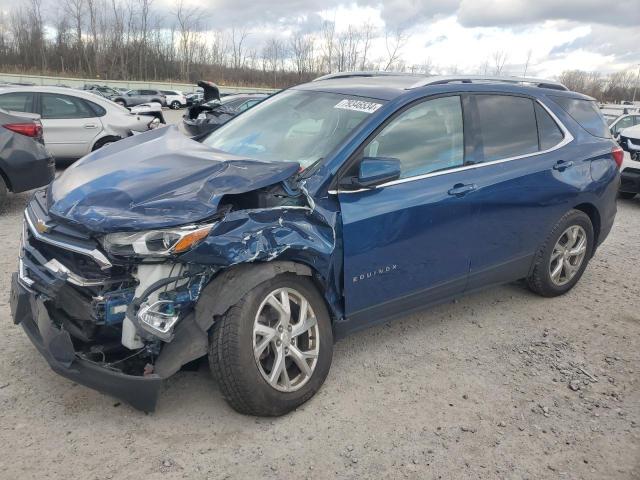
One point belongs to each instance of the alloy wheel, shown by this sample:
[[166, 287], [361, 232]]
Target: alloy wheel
[[567, 255], [286, 340]]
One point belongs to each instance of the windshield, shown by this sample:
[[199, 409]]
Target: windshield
[[293, 126]]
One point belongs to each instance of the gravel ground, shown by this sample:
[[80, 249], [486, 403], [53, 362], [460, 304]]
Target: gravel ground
[[501, 384]]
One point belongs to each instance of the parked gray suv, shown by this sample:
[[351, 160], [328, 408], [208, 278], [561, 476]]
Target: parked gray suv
[[136, 97]]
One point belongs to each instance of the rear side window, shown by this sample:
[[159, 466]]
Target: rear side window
[[549, 134], [17, 102], [586, 113], [507, 126], [97, 109]]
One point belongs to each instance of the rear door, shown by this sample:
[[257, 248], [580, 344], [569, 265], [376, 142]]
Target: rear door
[[70, 125], [523, 180], [406, 243]]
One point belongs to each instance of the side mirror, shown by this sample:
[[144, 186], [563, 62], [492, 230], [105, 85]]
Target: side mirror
[[376, 171]]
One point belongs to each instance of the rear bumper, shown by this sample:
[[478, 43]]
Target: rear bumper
[[55, 345], [630, 180], [30, 173]]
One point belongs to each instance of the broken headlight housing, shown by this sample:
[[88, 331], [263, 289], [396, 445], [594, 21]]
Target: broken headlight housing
[[155, 243]]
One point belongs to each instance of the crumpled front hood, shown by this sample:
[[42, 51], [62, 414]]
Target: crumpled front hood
[[157, 179]]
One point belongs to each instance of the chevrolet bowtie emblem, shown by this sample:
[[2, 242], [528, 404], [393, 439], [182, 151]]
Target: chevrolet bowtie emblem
[[42, 227]]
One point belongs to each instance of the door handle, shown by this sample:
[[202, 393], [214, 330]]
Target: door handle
[[460, 189], [561, 165], [90, 125]]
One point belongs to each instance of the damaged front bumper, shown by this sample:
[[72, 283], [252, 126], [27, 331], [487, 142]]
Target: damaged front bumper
[[57, 348]]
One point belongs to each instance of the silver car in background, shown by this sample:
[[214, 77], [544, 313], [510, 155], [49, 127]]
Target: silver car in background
[[75, 122]]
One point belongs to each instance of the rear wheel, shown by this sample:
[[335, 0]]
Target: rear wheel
[[122, 103], [272, 351], [563, 257], [175, 105], [626, 195]]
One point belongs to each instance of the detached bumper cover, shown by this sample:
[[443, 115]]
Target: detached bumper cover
[[56, 347]]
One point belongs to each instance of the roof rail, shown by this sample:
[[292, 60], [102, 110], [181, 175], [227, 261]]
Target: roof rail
[[442, 80], [332, 76]]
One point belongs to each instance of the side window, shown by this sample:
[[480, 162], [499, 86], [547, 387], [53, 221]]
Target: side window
[[17, 102], [586, 113], [64, 106], [97, 109], [636, 119], [549, 134], [507, 126], [425, 138], [148, 92], [621, 124], [133, 92]]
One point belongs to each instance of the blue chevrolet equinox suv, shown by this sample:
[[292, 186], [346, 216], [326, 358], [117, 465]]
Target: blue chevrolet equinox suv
[[329, 207]]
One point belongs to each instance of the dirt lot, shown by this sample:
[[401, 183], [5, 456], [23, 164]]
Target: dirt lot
[[501, 384]]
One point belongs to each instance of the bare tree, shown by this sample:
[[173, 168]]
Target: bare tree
[[238, 38], [499, 59], [394, 43], [526, 63]]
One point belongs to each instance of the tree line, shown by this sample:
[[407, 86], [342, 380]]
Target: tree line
[[134, 40]]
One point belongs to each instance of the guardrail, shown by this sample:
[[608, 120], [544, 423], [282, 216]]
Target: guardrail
[[80, 82]]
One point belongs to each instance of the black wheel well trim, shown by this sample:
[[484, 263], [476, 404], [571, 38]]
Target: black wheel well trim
[[228, 287], [103, 139], [594, 215]]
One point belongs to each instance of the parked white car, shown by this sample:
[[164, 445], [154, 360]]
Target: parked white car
[[630, 170], [75, 122], [175, 99]]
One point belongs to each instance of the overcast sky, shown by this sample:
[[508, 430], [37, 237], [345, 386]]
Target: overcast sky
[[452, 35], [601, 35]]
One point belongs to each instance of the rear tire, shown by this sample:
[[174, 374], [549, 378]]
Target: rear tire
[[242, 368], [626, 195], [122, 103], [562, 259], [175, 105]]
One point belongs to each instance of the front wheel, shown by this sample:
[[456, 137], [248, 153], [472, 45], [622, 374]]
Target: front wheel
[[175, 105], [562, 259], [272, 351]]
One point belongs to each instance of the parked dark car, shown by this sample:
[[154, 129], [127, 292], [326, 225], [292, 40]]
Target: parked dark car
[[327, 208], [207, 117], [136, 97], [25, 163]]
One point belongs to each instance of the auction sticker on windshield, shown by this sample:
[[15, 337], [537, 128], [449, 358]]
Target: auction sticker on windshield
[[358, 105]]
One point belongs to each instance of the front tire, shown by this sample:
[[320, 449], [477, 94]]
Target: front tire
[[175, 105], [562, 259], [272, 351]]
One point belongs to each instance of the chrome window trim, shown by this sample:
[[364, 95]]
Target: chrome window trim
[[95, 254], [568, 138]]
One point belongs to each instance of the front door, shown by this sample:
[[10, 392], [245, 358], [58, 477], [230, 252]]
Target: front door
[[70, 125], [406, 242]]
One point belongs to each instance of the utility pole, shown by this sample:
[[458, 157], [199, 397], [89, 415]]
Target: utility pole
[[635, 86]]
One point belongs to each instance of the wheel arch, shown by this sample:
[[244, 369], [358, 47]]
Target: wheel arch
[[100, 140], [594, 215]]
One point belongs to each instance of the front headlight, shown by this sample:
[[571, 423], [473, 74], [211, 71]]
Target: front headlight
[[155, 243]]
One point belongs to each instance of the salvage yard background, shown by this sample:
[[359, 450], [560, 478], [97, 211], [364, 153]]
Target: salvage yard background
[[501, 384]]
